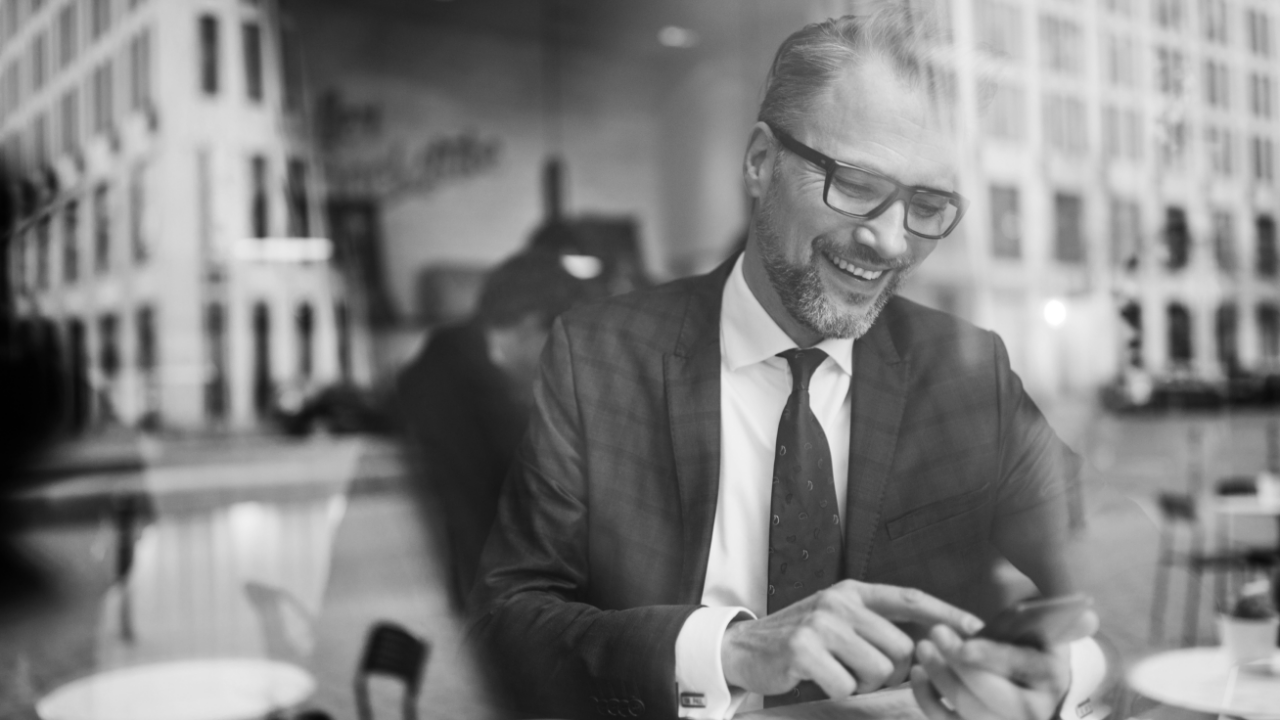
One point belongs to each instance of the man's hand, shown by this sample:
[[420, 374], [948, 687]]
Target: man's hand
[[983, 679], [843, 638]]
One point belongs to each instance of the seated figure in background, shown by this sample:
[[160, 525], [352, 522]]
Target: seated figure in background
[[464, 400]]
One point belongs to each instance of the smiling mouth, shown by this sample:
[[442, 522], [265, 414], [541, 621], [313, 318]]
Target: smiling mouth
[[851, 269]]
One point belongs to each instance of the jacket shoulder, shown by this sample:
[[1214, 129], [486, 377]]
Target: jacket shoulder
[[925, 335], [653, 316]]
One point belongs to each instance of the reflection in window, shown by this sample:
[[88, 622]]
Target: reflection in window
[[1068, 244], [70, 241], [1006, 241], [1224, 240], [215, 386], [1226, 332], [1265, 228], [305, 326], [1180, 349], [1126, 234], [1269, 332], [209, 54], [1177, 238], [263, 390], [999, 27]]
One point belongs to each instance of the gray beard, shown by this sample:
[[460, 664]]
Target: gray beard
[[799, 287]]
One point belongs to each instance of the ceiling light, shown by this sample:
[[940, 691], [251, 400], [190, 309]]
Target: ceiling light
[[677, 37]]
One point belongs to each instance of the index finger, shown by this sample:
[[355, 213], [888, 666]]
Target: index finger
[[903, 604]]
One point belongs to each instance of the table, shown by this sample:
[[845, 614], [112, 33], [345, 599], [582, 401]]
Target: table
[[1203, 679], [205, 689]]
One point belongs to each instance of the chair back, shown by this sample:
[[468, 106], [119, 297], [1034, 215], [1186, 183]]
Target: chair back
[[1236, 485], [391, 650]]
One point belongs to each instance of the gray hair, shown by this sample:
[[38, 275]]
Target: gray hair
[[810, 60]]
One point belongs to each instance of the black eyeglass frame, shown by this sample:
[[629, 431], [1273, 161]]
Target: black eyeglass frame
[[903, 192]]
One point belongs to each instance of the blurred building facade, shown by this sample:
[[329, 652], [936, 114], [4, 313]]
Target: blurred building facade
[[1121, 166], [170, 218]]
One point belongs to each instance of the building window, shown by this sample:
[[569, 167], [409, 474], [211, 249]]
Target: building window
[[1259, 25], [108, 346], [1269, 332], [68, 38], [299, 203], [291, 69], [999, 27], [1213, 19], [215, 386], [1263, 160], [42, 252], [1171, 71], [146, 329], [342, 324], [1006, 231], [1180, 347], [1066, 129], [103, 99], [252, 37], [39, 61], [1226, 331], [99, 17], [305, 326], [1121, 61], [101, 230], [1217, 82], [12, 20], [137, 214], [1004, 116], [1068, 245], [1126, 234], [1168, 14], [140, 72], [1219, 145], [209, 54], [1177, 238], [1265, 227], [70, 241], [70, 121], [1224, 240], [259, 207], [1119, 7], [1062, 45], [263, 389], [1260, 94], [40, 139]]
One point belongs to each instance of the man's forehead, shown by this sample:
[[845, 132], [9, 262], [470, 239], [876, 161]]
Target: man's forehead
[[874, 117]]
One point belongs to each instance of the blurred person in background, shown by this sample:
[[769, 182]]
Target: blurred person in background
[[779, 482], [464, 400]]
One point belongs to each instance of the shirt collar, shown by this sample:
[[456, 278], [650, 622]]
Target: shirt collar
[[748, 335]]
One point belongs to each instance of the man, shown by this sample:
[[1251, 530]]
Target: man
[[768, 480], [464, 401]]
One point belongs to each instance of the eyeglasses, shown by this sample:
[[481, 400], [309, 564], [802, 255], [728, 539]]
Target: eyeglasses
[[853, 191]]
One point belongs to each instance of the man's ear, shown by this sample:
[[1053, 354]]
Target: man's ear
[[757, 166]]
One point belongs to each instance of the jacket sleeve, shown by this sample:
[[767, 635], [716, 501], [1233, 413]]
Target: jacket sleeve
[[559, 654], [1039, 474]]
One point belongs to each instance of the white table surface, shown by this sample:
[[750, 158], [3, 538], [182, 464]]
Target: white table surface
[[1204, 680], [208, 689]]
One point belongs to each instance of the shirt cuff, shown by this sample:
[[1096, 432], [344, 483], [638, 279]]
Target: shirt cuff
[[1088, 670], [703, 693]]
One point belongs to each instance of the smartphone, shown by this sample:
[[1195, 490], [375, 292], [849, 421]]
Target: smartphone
[[1039, 623]]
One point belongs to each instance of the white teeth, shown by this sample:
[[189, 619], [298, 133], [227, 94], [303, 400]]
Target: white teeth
[[854, 269]]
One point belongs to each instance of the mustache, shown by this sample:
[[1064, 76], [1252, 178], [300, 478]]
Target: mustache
[[857, 252]]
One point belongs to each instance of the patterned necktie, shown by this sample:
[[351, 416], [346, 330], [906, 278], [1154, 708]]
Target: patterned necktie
[[805, 542]]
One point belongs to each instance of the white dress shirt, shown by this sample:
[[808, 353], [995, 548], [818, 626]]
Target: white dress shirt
[[754, 387]]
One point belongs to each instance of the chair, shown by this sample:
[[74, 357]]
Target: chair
[[1178, 515], [391, 650], [288, 629]]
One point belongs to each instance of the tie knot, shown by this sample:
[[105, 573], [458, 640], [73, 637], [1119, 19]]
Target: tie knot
[[803, 363]]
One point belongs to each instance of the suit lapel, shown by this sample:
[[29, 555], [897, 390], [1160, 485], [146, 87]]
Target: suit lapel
[[691, 374], [879, 395]]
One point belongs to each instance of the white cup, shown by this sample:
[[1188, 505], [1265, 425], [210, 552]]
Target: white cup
[[1247, 640]]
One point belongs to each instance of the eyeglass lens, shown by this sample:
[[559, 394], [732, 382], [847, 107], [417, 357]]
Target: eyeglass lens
[[856, 192]]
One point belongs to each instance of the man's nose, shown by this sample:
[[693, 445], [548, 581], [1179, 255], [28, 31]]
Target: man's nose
[[886, 233]]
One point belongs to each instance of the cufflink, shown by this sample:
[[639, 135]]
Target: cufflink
[[693, 700]]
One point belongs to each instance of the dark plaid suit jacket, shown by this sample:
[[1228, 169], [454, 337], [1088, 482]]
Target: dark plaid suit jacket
[[600, 548]]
